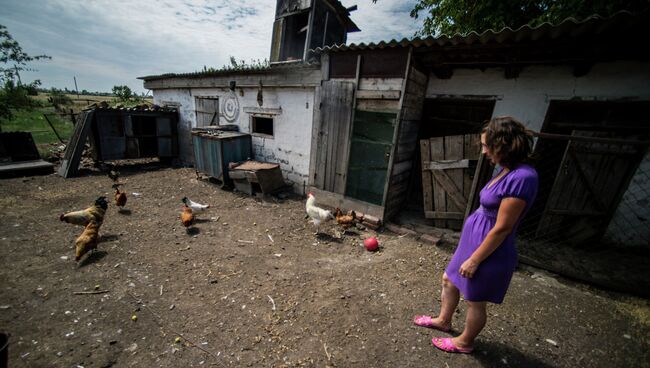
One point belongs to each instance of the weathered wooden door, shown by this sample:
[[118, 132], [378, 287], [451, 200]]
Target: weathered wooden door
[[588, 187], [207, 111], [331, 138], [448, 168], [371, 145]]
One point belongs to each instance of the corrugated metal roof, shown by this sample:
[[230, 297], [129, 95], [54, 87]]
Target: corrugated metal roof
[[138, 109], [232, 71], [619, 23]]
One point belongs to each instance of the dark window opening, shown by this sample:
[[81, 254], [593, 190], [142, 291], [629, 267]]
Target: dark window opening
[[143, 125], [295, 36], [262, 125], [112, 125]]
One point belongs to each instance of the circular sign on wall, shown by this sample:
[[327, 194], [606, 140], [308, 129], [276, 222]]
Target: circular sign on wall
[[230, 107]]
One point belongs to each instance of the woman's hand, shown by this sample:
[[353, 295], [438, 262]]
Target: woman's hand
[[468, 268]]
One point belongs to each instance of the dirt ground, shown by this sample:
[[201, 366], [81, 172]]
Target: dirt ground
[[251, 286]]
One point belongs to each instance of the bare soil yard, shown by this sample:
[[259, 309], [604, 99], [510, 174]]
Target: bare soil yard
[[251, 286]]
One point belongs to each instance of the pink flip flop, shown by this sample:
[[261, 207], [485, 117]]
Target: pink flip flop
[[445, 344], [426, 321]]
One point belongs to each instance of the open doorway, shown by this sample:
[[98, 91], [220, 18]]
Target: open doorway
[[441, 117]]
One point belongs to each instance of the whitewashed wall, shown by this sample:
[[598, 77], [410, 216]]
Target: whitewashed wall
[[182, 98], [291, 142], [527, 98]]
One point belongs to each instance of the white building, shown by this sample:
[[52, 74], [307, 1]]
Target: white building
[[365, 126]]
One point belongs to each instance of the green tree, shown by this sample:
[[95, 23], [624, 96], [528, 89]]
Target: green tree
[[14, 94], [123, 93], [463, 16], [12, 57]]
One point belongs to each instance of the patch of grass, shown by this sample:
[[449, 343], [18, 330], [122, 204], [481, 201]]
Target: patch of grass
[[33, 121]]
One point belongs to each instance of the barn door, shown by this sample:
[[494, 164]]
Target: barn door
[[588, 188], [448, 168], [330, 145]]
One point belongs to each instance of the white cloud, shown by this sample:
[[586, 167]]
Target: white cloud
[[106, 43]]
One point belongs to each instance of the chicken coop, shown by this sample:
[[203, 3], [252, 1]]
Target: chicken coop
[[214, 149], [134, 133]]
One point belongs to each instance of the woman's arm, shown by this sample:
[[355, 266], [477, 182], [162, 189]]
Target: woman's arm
[[510, 210]]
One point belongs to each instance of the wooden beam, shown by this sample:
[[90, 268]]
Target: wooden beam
[[446, 164], [379, 95], [450, 187], [590, 139], [286, 77], [444, 215], [263, 110], [314, 170]]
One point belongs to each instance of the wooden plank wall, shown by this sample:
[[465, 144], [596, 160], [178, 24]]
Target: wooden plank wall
[[330, 143], [406, 142]]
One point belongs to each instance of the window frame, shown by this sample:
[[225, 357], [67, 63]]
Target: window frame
[[252, 122]]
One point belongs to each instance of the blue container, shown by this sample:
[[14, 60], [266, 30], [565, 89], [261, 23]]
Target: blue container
[[214, 149]]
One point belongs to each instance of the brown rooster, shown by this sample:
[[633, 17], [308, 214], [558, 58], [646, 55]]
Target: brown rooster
[[345, 220], [83, 217], [87, 240], [187, 217], [120, 197]]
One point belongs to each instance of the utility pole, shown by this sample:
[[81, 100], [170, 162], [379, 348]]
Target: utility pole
[[75, 86]]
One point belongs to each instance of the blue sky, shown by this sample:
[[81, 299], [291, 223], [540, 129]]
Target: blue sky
[[106, 43]]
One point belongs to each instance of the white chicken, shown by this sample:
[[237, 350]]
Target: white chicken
[[316, 213], [196, 207]]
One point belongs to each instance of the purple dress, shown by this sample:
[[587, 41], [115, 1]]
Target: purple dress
[[491, 279]]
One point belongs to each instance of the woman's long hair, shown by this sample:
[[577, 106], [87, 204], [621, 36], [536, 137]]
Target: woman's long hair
[[509, 139]]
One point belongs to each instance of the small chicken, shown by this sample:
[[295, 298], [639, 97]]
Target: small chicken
[[196, 207], [87, 240], [95, 212], [113, 173], [345, 220], [316, 213], [120, 197], [187, 217]]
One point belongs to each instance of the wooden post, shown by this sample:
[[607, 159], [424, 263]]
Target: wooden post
[[75, 86], [54, 130], [72, 119]]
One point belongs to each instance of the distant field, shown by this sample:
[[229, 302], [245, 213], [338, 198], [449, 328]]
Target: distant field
[[35, 120]]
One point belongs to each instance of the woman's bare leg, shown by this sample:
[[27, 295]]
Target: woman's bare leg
[[474, 323], [448, 303]]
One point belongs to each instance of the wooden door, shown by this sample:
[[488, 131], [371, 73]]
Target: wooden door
[[331, 136], [371, 143], [207, 111], [448, 169], [588, 187]]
